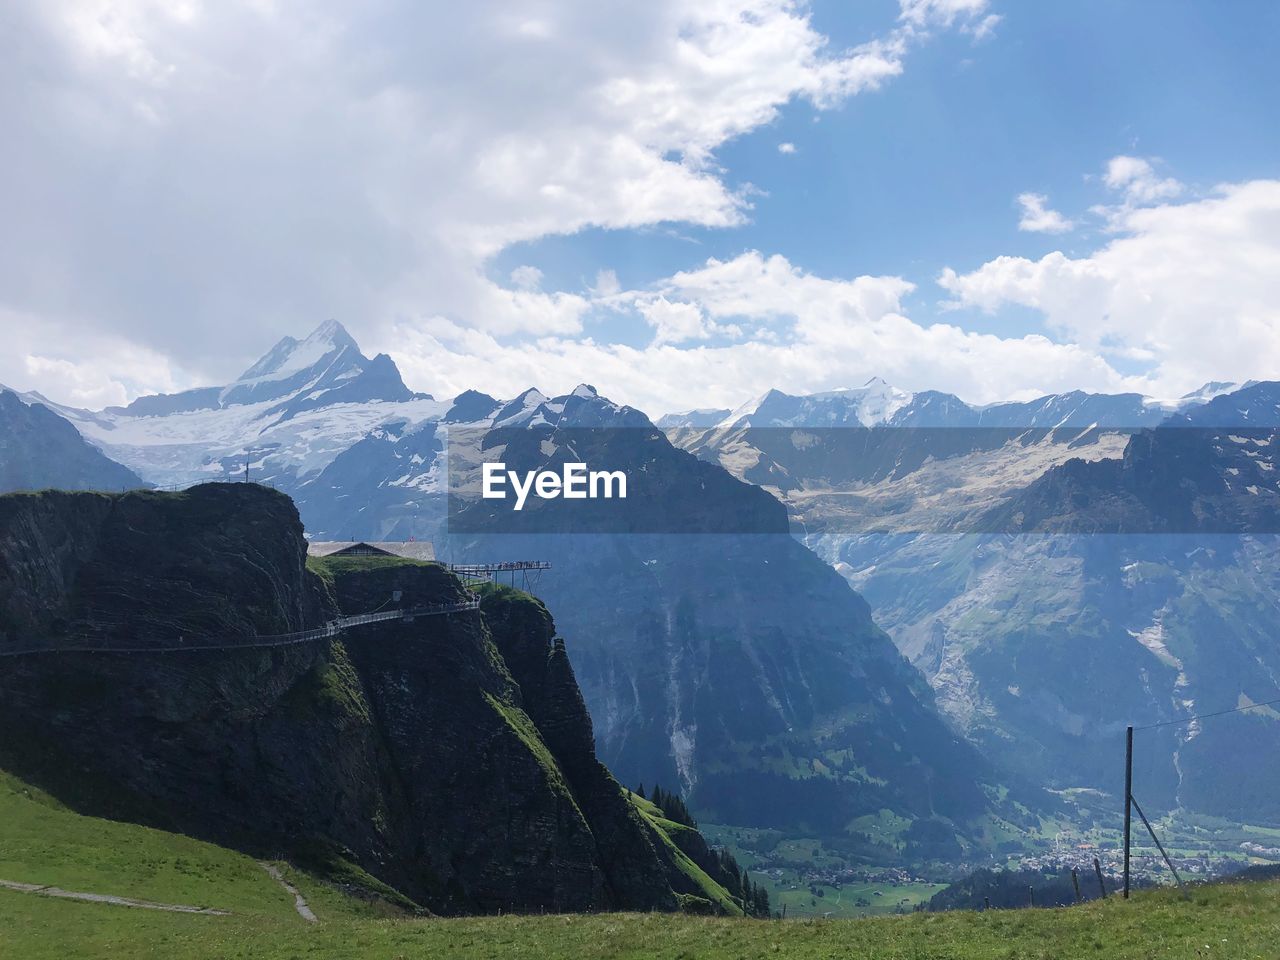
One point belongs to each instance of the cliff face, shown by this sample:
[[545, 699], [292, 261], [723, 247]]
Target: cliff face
[[147, 568], [413, 749], [525, 635]]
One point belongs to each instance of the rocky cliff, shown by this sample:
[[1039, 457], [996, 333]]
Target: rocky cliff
[[449, 757]]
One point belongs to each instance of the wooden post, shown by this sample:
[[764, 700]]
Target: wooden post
[[1128, 802], [1097, 868], [1031, 896], [1075, 882], [986, 902]]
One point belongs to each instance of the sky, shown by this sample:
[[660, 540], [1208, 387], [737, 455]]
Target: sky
[[683, 203]]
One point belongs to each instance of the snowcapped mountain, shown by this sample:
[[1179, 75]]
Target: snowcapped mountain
[[875, 402], [288, 416], [1253, 405], [703, 417], [879, 404], [1211, 390], [392, 483], [880, 458]]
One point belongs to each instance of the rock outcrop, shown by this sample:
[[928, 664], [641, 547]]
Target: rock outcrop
[[447, 757]]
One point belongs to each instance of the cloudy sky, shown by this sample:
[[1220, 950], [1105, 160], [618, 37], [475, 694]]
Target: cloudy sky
[[684, 203]]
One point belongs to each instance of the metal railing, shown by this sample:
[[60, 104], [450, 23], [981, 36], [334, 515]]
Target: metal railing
[[330, 629]]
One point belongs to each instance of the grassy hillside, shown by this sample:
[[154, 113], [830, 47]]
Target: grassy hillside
[[667, 832], [44, 843]]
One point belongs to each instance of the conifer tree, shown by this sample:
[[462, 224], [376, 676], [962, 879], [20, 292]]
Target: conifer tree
[[761, 898]]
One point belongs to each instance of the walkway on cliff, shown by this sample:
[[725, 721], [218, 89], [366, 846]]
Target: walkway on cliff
[[181, 644]]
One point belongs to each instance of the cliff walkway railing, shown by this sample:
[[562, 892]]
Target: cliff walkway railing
[[330, 629]]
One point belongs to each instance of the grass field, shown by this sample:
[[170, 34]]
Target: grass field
[[852, 899], [1224, 921], [44, 843]]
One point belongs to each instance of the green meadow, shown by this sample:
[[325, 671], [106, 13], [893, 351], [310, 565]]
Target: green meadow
[[42, 842]]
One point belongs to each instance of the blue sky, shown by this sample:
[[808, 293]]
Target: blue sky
[[999, 198], [924, 173]]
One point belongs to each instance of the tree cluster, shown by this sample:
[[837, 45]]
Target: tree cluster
[[753, 897], [672, 805]]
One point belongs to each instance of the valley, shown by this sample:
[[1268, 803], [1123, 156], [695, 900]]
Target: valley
[[1068, 588]]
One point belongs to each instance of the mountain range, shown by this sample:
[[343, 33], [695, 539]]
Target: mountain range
[[1057, 569], [733, 664], [746, 665]]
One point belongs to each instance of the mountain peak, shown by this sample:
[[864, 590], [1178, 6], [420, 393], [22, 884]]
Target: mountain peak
[[290, 355], [332, 331], [873, 403]]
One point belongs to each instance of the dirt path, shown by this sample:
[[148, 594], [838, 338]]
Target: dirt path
[[46, 891], [299, 903]]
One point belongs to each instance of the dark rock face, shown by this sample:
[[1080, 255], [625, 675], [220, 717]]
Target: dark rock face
[[40, 450], [523, 631], [408, 748]]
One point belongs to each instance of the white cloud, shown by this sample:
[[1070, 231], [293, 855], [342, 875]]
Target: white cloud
[[526, 277], [942, 13], [789, 329], [87, 370], [1137, 179], [674, 322], [771, 289], [1191, 288], [606, 284], [186, 181], [1039, 217], [970, 16], [196, 177], [786, 148], [984, 27]]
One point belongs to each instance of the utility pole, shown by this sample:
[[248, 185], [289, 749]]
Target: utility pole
[[1128, 802], [248, 459]]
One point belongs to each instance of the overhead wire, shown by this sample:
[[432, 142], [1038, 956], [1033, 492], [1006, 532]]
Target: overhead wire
[[1207, 716]]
